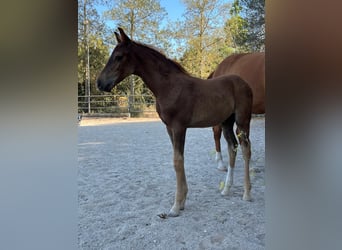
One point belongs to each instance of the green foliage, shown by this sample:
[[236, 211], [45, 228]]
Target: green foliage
[[202, 33], [246, 27], [236, 33], [140, 19], [91, 31], [209, 31], [98, 54]]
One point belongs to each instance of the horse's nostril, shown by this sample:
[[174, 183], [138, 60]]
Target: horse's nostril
[[99, 84], [107, 88]]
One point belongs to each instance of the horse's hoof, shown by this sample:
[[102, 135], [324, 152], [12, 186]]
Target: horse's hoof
[[225, 192], [220, 165], [162, 216], [247, 197], [222, 168], [173, 213], [182, 205]]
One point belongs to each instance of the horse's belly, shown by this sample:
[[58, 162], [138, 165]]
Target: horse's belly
[[210, 117], [203, 124]]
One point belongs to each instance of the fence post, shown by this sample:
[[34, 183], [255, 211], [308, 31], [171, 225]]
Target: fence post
[[86, 22], [131, 95]]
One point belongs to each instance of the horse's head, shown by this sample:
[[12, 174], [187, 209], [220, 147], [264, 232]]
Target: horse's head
[[119, 65]]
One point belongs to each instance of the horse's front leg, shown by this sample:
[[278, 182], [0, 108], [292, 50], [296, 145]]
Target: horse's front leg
[[178, 140]]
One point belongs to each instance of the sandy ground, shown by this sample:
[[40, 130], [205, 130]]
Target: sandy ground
[[126, 178], [107, 121]]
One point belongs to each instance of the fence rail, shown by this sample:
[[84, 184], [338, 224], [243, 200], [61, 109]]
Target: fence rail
[[117, 105]]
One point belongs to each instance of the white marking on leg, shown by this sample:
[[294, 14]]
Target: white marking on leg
[[174, 211], [220, 165], [218, 156], [229, 181], [246, 196]]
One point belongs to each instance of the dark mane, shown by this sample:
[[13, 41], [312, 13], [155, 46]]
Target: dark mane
[[159, 56]]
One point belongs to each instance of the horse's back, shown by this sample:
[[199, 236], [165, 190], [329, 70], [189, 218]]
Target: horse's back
[[237, 86], [250, 67]]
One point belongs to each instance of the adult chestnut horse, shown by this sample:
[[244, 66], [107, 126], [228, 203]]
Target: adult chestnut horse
[[250, 67], [183, 102]]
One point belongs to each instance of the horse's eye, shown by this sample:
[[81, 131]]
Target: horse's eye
[[118, 58]]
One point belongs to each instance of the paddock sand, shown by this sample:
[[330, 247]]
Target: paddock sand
[[126, 179]]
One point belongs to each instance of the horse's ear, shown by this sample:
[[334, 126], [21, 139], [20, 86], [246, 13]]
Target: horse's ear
[[118, 38], [124, 37]]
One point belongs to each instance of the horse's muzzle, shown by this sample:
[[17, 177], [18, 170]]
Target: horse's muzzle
[[103, 86]]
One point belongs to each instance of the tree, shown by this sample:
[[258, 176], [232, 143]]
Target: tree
[[92, 51], [246, 27], [236, 29], [141, 20], [254, 11], [202, 33]]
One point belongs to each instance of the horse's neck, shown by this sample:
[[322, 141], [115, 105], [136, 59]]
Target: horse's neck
[[152, 73], [152, 79]]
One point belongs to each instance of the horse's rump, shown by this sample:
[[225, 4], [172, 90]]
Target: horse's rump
[[251, 68]]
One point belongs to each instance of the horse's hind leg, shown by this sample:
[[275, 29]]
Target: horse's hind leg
[[228, 134], [217, 130], [242, 132]]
